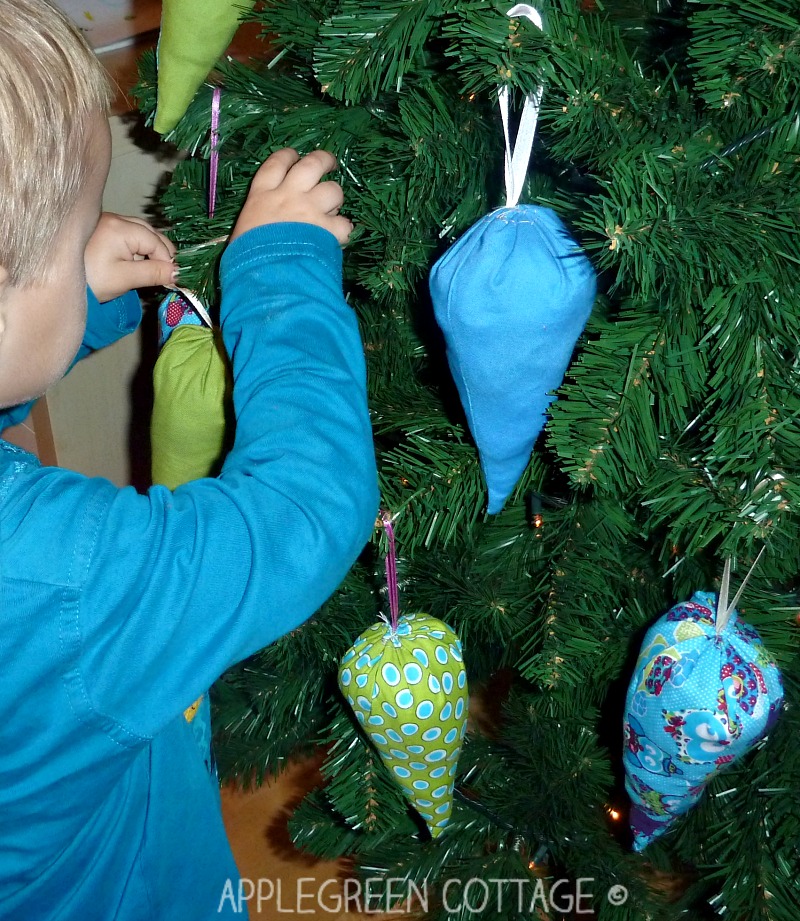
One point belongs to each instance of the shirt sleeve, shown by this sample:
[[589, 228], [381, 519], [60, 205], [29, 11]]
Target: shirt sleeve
[[109, 321], [174, 587]]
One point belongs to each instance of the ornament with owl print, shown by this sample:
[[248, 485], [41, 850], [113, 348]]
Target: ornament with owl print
[[704, 692]]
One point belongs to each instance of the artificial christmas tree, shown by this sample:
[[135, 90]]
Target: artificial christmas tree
[[668, 144]]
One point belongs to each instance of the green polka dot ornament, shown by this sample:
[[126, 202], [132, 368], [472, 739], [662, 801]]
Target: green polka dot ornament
[[406, 683], [408, 689]]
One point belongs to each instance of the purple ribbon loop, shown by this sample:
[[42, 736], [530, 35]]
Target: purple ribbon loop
[[391, 571], [212, 184]]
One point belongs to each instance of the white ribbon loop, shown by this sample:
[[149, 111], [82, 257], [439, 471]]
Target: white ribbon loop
[[518, 157], [724, 610]]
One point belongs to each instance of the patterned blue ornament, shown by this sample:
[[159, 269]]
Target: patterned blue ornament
[[702, 695]]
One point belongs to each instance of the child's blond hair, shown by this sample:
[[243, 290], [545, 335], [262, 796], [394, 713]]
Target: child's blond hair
[[52, 89]]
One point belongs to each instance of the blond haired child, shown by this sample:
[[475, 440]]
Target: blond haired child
[[118, 609]]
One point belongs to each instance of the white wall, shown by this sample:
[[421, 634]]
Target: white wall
[[109, 22]]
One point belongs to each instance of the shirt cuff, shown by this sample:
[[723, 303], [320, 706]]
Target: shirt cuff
[[109, 321]]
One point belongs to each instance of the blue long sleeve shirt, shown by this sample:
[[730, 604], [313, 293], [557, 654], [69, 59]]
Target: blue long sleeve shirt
[[118, 609]]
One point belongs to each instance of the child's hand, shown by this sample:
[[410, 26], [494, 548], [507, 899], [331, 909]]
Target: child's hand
[[288, 188], [126, 253]]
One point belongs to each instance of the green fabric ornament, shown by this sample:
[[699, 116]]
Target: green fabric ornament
[[408, 689], [189, 429], [192, 387], [194, 35]]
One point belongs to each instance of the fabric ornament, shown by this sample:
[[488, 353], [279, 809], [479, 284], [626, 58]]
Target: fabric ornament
[[188, 433], [511, 297], [704, 692], [194, 35], [406, 684], [192, 387]]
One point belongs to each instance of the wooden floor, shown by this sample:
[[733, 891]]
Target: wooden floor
[[256, 823], [292, 882]]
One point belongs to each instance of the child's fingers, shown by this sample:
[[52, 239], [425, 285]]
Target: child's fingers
[[306, 173], [146, 273], [273, 170], [142, 240], [340, 227], [328, 197], [288, 188], [168, 244]]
